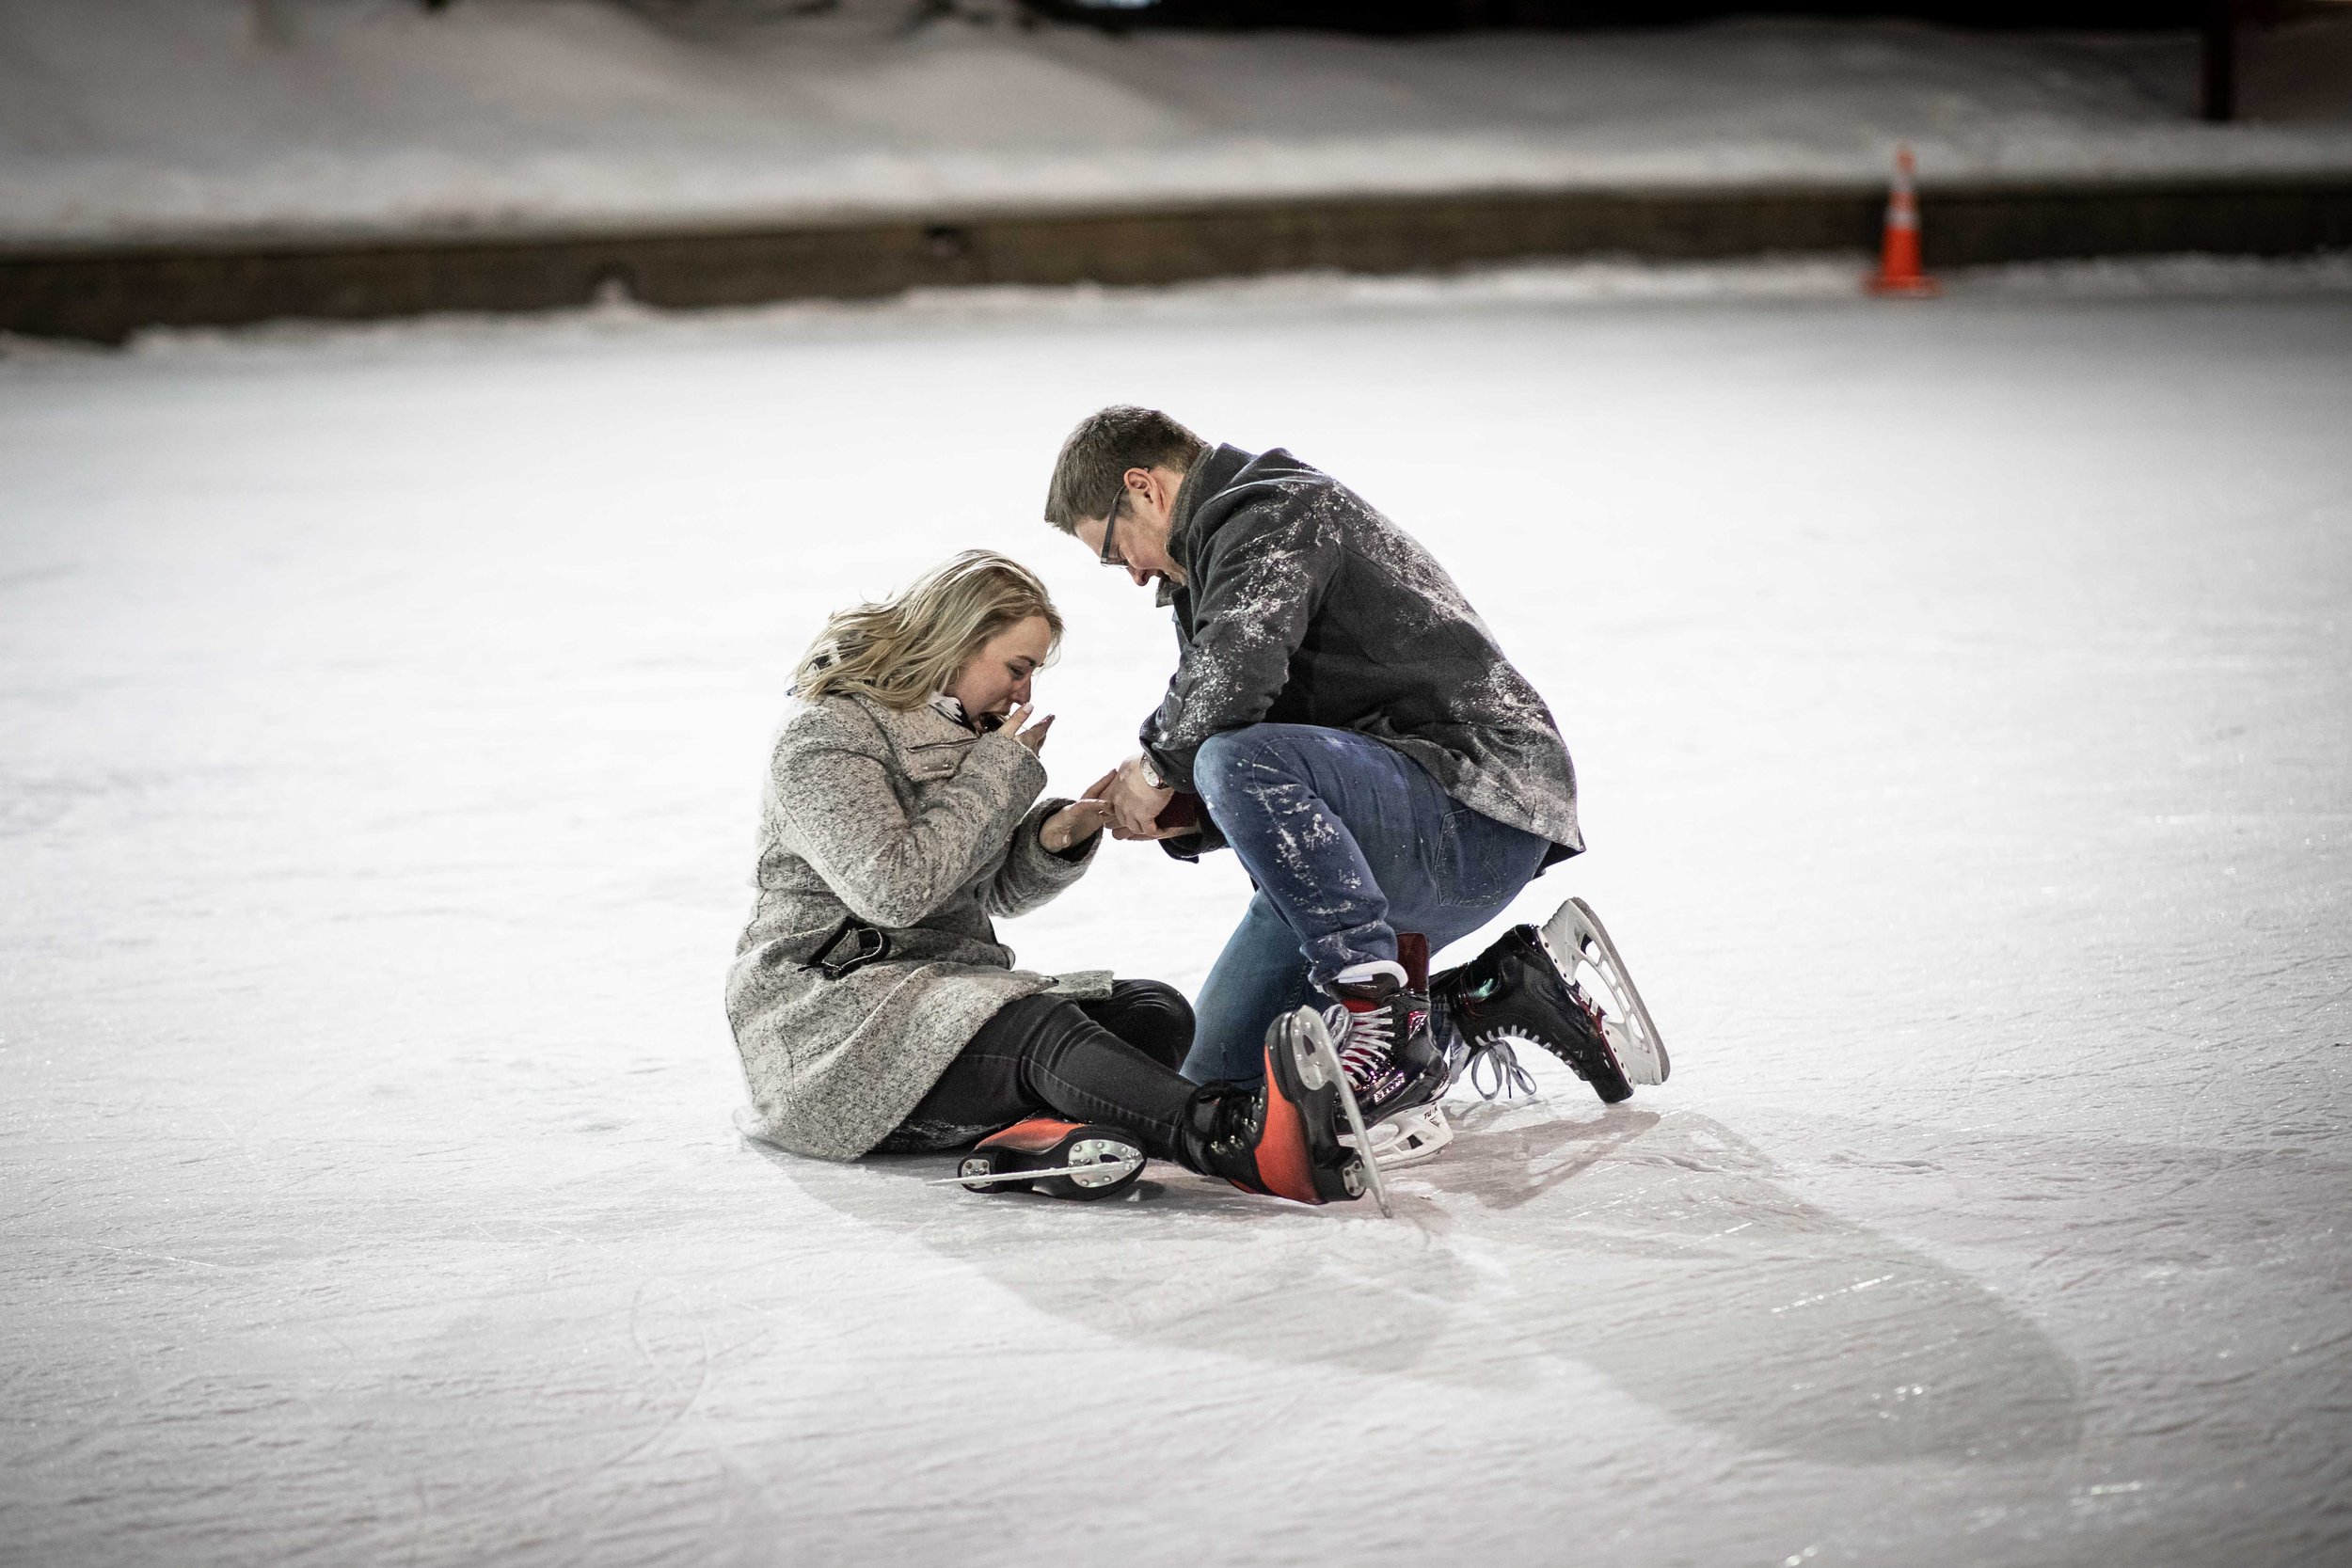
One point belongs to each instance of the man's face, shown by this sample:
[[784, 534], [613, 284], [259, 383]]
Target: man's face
[[1134, 538]]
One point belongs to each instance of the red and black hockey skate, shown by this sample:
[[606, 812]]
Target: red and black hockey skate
[[1282, 1137], [1064, 1159]]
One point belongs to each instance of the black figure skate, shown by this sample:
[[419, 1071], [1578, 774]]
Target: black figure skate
[[1532, 985]]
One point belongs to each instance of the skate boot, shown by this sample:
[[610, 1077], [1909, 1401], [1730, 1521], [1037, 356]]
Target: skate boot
[[1065, 1159], [1514, 988], [1383, 1028], [1282, 1137]]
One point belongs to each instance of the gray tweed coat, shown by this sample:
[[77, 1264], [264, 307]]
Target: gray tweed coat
[[916, 825]]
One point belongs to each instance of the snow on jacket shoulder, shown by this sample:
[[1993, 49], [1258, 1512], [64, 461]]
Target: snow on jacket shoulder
[[916, 827], [1306, 605]]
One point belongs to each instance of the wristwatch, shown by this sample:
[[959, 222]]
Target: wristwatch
[[1152, 774]]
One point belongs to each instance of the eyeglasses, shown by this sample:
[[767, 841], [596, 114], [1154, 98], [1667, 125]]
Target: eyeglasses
[[1110, 523]]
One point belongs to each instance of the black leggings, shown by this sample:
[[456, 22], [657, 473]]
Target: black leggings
[[1112, 1061]]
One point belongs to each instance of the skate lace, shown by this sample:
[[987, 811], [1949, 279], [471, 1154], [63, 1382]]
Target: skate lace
[[1364, 1047], [1499, 1057]]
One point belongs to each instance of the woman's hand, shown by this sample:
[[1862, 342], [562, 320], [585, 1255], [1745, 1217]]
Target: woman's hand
[[1079, 821], [1032, 736], [1073, 824]]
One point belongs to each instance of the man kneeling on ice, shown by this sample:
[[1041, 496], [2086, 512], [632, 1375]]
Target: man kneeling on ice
[[1343, 721]]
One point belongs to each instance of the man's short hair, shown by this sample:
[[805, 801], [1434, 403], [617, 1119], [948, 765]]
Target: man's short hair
[[1093, 463]]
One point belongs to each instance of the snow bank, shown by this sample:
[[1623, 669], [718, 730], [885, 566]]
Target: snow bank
[[170, 119]]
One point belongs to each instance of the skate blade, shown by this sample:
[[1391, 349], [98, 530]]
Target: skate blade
[[1407, 1138], [1577, 940], [1101, 1167], [1318, 1062]]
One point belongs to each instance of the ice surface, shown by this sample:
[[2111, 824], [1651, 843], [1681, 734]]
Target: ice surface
[[1963, 698], [164, 118]]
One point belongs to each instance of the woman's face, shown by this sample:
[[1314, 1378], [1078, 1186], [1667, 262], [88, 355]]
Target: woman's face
[[996, 680]]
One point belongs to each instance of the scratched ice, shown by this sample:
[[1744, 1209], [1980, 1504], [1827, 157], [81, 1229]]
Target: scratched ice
[[1962, 700]]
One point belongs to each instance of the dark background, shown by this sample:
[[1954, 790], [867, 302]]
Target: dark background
[[1425, 15]]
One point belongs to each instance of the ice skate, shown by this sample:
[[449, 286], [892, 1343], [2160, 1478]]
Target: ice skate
[[1064, 1159], [1382, 1027], [1580, 945], [1283, 1137], [1516, 989]]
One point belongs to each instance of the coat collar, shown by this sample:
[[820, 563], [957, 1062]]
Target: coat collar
[[916, 726], [1209, 475]]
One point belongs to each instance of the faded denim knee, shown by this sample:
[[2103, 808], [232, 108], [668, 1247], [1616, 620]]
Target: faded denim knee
[[1224, 760]]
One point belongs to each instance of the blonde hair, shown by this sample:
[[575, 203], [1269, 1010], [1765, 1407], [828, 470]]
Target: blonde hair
[[900, 651]]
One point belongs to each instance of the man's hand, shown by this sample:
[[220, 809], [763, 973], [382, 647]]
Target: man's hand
[[1135, 804]]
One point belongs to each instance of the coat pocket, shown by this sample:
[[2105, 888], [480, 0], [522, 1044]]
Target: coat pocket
[[930, 764], [1474, 863]]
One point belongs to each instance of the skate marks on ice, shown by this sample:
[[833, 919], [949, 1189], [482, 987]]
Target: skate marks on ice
[[1658, 1251]]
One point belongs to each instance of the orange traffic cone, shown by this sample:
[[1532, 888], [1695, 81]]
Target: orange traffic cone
[[1898, 270]]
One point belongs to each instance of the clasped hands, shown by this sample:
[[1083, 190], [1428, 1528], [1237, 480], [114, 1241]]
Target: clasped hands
[[1123, 800]]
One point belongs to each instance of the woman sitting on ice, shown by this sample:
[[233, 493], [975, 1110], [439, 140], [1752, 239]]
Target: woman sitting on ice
[[873, 1006]]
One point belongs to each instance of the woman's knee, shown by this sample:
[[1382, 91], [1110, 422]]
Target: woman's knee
[[1153, 1017]]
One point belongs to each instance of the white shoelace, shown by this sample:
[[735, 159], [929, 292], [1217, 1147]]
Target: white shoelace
[[1497, 1056], [1363, 1042]]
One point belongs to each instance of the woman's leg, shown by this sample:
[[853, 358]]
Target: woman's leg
[[1153, 1018], [1043, 1054]]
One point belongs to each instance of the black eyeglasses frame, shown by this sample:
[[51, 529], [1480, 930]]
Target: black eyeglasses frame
[[1110, 524]]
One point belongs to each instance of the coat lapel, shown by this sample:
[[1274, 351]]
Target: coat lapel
[[925, 744]]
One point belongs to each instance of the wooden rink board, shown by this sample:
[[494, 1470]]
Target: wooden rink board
[[105, 293]]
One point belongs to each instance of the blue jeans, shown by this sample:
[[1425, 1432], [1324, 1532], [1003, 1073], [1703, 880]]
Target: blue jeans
[[1349, 842]]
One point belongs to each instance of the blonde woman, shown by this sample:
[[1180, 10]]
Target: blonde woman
[[872, 1004]]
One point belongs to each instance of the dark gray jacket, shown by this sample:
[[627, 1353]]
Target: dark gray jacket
[[1305, 606]]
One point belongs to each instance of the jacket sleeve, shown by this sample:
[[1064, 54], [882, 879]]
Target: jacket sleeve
[[1206, 838], [1260, 583], [886, 867], [1032, 874]]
